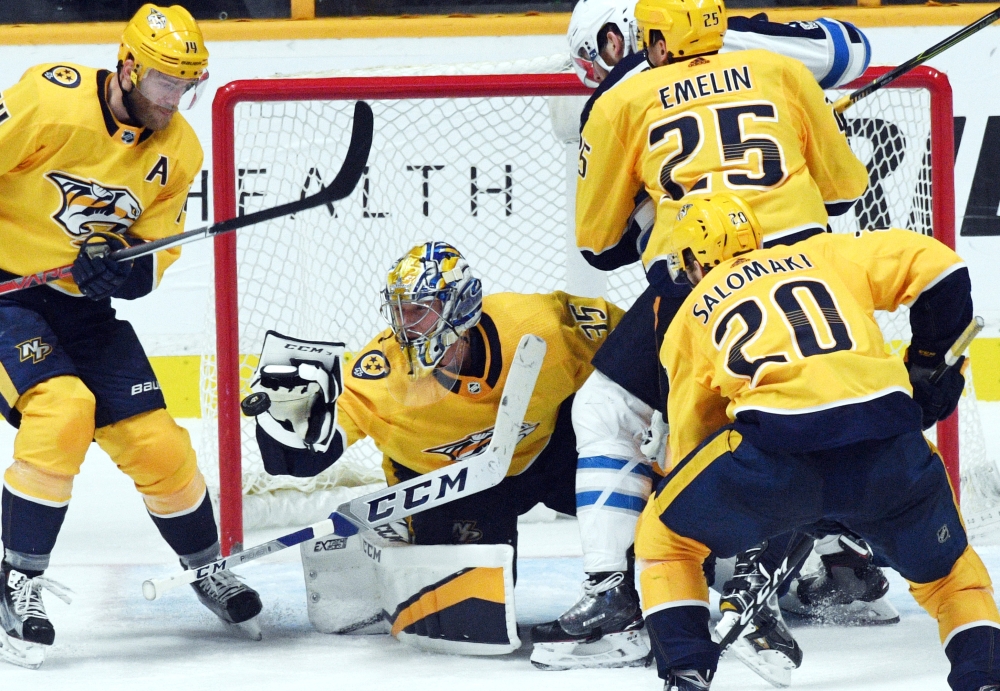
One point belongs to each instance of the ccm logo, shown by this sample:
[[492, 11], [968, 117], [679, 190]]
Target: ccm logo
[[145, 387], [330, 545]]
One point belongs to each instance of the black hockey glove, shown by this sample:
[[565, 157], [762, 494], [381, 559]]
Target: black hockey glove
[[96, 274], [939, 399]]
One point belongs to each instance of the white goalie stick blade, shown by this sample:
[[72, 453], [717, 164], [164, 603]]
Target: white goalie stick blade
[[466, 477], [623, 649], [17, 652], [413, 496]]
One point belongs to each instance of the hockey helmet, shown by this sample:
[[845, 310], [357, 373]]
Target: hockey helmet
[[585, 25], [689, 27], [707, 231], [171, 61], [430, 300]]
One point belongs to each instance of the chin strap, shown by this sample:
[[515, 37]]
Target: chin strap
[[127, 99]]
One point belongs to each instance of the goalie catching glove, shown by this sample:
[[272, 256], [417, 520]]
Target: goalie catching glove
[[302, 381], [96, 274]]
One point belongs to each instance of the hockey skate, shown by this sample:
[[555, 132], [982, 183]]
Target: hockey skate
[[230, 600], [688, 680], [25, 628], [848, 590], [767, 646], [601, 630]]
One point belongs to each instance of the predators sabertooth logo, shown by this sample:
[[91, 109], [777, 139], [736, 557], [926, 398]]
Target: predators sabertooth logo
[[474, 444], [88, 206]]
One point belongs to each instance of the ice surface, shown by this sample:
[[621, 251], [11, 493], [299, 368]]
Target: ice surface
[[111, 638]]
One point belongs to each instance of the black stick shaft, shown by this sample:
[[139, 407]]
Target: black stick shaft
[[935, 50]]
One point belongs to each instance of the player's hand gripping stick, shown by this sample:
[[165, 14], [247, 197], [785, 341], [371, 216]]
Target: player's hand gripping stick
[[342, 185]]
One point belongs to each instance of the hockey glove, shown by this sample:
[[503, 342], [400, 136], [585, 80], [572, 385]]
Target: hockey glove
[[937, 399], [96, 274], [654, 441], [303, 398]]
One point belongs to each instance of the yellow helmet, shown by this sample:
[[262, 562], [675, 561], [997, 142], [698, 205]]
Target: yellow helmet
[[707, 231], [166, 39], [689, 27]]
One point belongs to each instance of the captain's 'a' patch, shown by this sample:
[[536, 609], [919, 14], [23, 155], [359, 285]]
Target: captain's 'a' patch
[[62, 75], [371, 365], [4, 113]]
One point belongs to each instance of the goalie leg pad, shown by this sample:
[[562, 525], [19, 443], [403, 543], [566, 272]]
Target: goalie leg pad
[[456, 599]]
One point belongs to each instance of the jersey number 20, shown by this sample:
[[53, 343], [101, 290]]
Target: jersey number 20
[[817, 331]]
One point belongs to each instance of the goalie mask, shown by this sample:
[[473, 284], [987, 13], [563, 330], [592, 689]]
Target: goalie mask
[[587, 30], [430, 300], [706, 232]]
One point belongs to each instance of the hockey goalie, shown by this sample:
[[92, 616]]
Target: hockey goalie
[[427, 390]]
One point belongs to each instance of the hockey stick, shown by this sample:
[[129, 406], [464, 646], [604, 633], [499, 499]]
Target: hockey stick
[[342, 185], [423, 492], [957, 348], [798, 549], [845, 102]]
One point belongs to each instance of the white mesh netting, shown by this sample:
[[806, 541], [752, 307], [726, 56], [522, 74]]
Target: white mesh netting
[[493, 176]]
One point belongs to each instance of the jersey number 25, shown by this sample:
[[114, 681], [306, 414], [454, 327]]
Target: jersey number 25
[[684, 135]]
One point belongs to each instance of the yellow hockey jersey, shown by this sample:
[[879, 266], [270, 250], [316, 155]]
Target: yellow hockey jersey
[[749, 121], [69, 168], [459, 425], [783, 341]]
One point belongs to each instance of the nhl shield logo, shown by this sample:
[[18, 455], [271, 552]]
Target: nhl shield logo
[[88, 206]]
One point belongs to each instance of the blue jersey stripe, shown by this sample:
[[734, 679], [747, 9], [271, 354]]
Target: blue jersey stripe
[[606, 463], [841, 54], [616, 500]]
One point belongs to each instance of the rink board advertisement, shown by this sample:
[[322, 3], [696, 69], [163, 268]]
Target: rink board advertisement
[[173, 320]]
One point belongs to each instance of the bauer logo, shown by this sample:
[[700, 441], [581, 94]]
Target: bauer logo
[[145, 387], [34, 349], [61, 75], [89, 206], [371, 365]]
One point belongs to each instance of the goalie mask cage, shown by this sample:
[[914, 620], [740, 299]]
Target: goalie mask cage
[[480, 161]]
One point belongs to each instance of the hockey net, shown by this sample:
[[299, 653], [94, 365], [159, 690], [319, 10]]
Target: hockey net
[[485, 161]]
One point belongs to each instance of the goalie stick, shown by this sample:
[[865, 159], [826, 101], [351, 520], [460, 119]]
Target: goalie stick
[[342, 185], [800, 544], [413, 496], [845, 102]]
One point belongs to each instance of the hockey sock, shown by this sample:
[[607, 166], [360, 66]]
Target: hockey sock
[[680, 639], [973, 654], [29, 530], [189, 532]]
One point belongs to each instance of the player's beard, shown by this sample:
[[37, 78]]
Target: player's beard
[[145, 112]]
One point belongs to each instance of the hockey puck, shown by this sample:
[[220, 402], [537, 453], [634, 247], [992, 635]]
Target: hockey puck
[[255, 404]]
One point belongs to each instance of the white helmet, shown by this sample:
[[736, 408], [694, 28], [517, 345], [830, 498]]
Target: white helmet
[[589, 17]]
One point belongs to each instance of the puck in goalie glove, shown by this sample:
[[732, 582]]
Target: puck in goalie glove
[[255, 404]]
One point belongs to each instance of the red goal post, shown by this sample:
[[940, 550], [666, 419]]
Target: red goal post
[[229, 173]]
